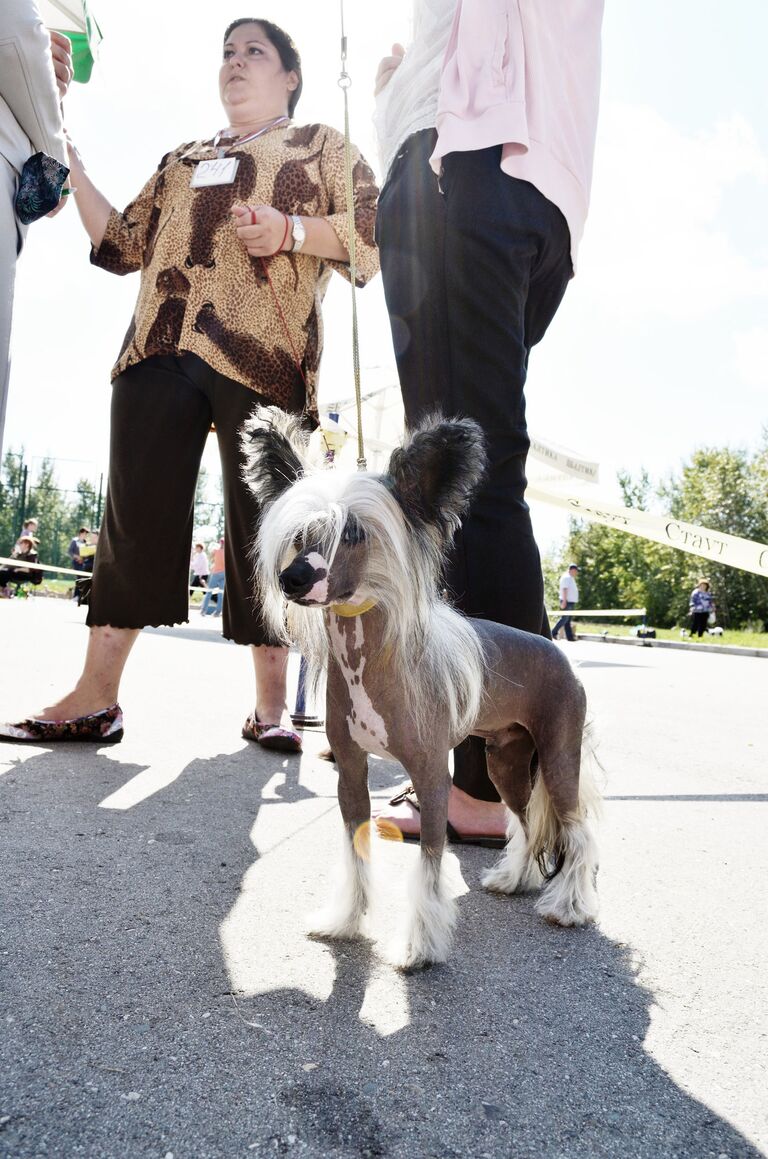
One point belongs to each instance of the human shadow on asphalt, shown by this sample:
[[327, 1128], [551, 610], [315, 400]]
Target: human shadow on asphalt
[[131, 1036]]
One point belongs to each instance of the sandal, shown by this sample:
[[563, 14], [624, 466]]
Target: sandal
[[407, 796], [105, 727], [271, 736]]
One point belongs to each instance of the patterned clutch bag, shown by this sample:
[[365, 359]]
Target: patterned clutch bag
[[40, 185]]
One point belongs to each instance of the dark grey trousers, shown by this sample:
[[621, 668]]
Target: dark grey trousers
[[473, 277]]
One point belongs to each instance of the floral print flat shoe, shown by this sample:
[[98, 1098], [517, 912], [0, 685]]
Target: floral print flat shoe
[[271, 736], [105, 727]]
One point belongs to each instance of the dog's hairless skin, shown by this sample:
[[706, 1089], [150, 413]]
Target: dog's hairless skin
[[357, 559]]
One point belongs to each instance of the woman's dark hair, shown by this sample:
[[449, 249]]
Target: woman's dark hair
[[286, 50]]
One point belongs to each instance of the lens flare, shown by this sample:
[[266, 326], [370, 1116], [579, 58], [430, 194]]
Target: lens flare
[[387, 830], [361, 841]]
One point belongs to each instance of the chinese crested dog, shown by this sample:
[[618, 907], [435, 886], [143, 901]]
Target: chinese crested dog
[[357, 560]]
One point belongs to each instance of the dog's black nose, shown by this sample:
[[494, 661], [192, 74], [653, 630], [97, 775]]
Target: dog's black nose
[[298, 578]]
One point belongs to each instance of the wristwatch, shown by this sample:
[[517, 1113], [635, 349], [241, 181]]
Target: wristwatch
[[299, 233]]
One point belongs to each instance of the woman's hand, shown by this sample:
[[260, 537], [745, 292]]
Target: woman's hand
[[387, 66], [61, 51], [93, 207], [262, 230], [76, 166]]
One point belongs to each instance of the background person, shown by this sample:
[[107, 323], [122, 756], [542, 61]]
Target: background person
[[199, 566], [88, 557], [35, 72], [702, 602], [24, 552], [235, 258], [569, 598], [75, 546], [474, 269], [28, 530], [214, 596]]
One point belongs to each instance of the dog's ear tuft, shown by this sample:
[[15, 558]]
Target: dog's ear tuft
[[434, 474], [273, 445]]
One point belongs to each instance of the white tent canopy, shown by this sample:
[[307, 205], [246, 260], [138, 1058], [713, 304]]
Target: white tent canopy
[[64, 15], [74, 18]]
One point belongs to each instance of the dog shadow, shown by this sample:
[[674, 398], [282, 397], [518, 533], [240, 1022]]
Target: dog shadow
[[162, 996], [529, 1041]]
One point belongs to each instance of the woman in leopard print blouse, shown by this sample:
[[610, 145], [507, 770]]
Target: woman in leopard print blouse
[[235, 238]]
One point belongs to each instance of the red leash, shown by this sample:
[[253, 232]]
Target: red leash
[[265, 267]]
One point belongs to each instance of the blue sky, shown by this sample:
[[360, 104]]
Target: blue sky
[[661, 344]]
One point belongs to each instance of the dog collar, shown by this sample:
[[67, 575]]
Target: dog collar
[[353, 609]]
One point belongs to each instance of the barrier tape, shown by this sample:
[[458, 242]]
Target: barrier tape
[[567, 462], [717, 546], [745, 554], [67, 571], [572, 613], [554, 615], [42, 567]]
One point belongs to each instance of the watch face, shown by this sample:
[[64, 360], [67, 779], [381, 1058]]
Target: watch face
[[299, 233]]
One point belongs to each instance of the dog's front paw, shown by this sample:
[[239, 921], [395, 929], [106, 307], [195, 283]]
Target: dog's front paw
[[333, 923], [402, 954], [422, 945]]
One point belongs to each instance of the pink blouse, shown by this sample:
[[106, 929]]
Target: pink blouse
[[525, 74]]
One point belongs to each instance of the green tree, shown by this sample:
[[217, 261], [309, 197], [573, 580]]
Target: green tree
[[11, 487], [84, 510], [58, 515], [722, 489], [619, 570], [49, 506]]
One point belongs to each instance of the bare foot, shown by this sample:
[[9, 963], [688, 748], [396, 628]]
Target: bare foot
[[468, 816], [99, 682], [473, 818], [273, 712], [72, 706]]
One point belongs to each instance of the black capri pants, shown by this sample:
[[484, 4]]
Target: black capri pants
[[162, 410], [472, 278]]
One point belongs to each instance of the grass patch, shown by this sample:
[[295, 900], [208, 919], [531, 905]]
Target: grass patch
[[62, 589], [740, 639]]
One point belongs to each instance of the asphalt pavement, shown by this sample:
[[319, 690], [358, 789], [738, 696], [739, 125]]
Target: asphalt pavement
[[158, 996]]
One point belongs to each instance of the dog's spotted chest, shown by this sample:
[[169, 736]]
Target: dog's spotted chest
[[366, 726]]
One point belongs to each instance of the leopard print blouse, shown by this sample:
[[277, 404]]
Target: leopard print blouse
[[201, 292]]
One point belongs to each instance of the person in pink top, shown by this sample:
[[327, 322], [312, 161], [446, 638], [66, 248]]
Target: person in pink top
[[486, 127]]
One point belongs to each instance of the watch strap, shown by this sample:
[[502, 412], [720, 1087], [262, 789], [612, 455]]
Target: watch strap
[[299, 233]]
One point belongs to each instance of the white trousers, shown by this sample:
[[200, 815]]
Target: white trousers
[[11, 237]]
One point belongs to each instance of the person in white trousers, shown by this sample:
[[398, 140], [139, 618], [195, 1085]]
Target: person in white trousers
[[35, 72]]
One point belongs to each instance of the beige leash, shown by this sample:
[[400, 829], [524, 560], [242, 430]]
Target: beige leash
[[344, 83]]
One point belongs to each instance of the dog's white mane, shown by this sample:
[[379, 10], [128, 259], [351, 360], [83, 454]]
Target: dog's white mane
[[435, 652]]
